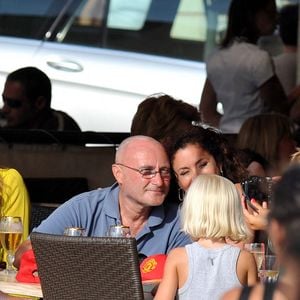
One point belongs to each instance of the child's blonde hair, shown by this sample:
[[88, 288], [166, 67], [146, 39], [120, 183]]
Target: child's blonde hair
[[212, 209]]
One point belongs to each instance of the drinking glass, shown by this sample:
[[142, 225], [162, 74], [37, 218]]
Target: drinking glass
[[11, 230], [269, 270], [258, 250], [74, 231], [119, 231]]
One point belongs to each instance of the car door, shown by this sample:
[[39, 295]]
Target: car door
[[105, 57]]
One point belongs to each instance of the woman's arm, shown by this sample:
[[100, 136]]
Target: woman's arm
[[246, 268], [168, 287], [208, 105]]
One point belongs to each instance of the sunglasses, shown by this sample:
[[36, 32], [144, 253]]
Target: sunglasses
[[12, 103]]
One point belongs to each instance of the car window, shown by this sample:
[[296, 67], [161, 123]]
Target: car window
[[186, 29], [128, 15], [160, 27], [28, 18]]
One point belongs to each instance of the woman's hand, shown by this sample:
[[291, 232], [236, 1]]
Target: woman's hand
[[256, 218]]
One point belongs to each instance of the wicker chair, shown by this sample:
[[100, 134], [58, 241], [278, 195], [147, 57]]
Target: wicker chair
[[87, 267], [39, 212]]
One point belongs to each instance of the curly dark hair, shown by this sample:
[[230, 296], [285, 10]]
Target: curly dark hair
[[215, 144]]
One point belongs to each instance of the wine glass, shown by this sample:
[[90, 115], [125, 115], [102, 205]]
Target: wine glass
[[11, 230], [270, 269], [258, 251], [119, 231]]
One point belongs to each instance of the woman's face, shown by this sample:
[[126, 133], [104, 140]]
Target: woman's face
[[191, 161]]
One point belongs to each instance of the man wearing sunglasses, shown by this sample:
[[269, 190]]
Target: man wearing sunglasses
[[27, 103]]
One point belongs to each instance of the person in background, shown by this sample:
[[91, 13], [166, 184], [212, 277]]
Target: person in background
[[205, 269], [204, 151], [14, 198], [286, 62], [253, 162], [142, 172], [271, 136], [284, 230], [27, 103], [241, 76], [163, 117]]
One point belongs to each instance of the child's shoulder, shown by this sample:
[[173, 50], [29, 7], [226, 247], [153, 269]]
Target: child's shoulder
[[177, 251], [177, 254]]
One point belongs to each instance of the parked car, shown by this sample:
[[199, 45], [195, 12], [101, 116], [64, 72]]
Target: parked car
[[104, 57]]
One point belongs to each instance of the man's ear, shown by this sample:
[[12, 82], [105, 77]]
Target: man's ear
[[118, 174], [40, 103]]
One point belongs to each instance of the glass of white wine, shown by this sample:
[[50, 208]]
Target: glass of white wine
[[270, 269], [258, 251], [11, 230]]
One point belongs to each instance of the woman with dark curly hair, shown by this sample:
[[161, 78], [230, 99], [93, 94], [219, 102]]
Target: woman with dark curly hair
[[204, 151]]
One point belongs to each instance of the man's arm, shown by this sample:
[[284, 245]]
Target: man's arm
[[26, 245]]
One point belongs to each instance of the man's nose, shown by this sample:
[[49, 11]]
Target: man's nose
[[158, 179]]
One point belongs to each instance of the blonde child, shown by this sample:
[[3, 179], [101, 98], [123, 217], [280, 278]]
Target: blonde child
[[205, 269]]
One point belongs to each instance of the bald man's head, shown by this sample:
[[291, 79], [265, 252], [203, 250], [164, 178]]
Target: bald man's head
[[142, 170], [130, 146]]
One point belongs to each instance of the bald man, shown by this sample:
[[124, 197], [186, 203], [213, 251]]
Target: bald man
[[142, 173]]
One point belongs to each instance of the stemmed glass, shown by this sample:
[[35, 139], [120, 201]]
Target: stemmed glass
[[258, 251], [11, 230], [270, 269]]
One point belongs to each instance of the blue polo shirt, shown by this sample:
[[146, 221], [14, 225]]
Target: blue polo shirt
[[97, 210]]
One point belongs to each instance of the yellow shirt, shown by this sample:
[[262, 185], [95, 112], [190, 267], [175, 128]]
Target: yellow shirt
[[15, 197]]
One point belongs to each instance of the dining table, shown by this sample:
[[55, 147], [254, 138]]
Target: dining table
[[10, 285]]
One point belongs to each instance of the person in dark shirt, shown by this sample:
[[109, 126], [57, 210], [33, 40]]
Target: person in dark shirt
[[27, 103]]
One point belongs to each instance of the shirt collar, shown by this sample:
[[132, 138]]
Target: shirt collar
[[112, 210]]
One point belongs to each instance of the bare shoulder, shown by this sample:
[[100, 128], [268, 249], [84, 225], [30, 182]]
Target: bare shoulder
[[177, 254]]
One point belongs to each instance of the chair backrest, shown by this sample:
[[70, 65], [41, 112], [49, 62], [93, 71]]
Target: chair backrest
[[39, 212], [87, 267]]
